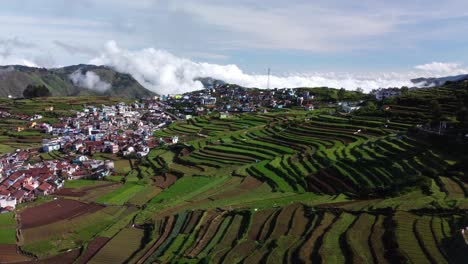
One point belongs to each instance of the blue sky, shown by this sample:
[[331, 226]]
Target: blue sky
[[296, 36]]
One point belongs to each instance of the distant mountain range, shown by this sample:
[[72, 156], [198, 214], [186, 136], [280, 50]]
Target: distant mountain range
[[73, 80], [82, 80], [430, 82]]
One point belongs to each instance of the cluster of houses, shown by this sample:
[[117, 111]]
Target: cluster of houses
[[232, 98], [120, 129], [21, 180], [5, 114], [382, 93]]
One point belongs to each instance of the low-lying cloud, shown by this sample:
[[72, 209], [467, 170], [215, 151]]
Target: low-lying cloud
[[89, 80], [442, 68], [165, 73]]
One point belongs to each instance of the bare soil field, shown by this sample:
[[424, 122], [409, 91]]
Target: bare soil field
[[54, 211], [165, 181], [69, 192], [9, 254], [73, 192]]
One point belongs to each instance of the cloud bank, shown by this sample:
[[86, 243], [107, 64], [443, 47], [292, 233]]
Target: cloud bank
[[89, 80], [165, 73], [442, 69]]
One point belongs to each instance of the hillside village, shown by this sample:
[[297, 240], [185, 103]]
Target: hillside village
[[121, 129], [228, 98], [128, 130]]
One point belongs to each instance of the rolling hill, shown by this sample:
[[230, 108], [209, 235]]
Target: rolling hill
[[89, 80]]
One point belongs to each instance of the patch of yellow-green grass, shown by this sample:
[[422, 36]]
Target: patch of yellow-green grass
[[121, 195], [122, 166], [6, 149], [82, 183], [120, 248]]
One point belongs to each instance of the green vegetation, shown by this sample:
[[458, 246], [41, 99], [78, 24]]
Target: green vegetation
[[120, 248], [7, 228], [82, 183], [290, 186], [121, 195], [32, 91], [53, 238], [57, 82]]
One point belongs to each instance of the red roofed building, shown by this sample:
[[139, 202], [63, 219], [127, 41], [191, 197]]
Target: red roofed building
[[29, 188], [4, 192], [45, 189]]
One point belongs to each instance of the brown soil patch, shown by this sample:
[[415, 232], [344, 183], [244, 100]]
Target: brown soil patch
[[282, 223], [346, 204], [259, 220], [69, 192], [166, 180], [93, 247], [250, 183], [9, 254], [55, 211], [72, 192], [298, 222]]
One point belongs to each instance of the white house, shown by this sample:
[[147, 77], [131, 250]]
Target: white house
[[128, 151], [51, 146], [387, 93], [82, 158], [6, 201]]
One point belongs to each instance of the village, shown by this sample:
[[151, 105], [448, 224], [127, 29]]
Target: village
[[120, 129], [229, 99]]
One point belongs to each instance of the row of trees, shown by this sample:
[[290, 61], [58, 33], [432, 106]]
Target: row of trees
[[33, 91]]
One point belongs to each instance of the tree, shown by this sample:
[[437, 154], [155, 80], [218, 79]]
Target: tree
[[435, 109], [371, 107], [341, 94], [404, 90], [359, 90], [33, 91]]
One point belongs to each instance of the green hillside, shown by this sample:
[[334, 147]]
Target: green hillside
[[14, 79]]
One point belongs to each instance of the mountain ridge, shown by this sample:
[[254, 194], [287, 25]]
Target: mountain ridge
[[438, 81], [15, 78]]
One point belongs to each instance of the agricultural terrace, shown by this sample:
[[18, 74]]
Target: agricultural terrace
[[287, 186]]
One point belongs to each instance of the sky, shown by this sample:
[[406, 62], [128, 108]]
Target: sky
[[166, 43]]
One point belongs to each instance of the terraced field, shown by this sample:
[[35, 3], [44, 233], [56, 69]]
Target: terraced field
[[295, 234], [284, 187]]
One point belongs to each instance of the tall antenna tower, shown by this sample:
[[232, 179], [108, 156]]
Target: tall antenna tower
[[268, 81]]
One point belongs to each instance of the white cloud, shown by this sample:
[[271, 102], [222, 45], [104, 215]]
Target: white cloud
[[9, 52], [89, 80], [12, 60], [163, 72], [441, 68]]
